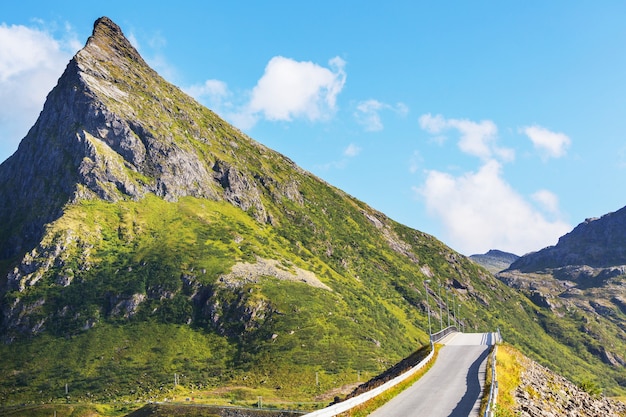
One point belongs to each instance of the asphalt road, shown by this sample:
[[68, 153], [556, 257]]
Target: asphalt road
[[452, 387]]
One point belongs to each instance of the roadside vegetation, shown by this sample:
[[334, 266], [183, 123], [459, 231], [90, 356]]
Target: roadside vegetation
[[508, 372]]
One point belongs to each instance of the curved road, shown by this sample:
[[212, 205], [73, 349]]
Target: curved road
[[452, 387]]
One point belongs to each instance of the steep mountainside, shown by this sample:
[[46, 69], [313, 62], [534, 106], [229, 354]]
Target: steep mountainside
[[143, 240], [495, 260], [597, 243], [582, 280]]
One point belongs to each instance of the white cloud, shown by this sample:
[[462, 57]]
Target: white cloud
[[287, 90], [352, 150], [552, 144], [415, 161], [295, 89], [215, 92], [433, 124], [368, 113], [547, 200], [481, 211], [31, 61], [476, 139]]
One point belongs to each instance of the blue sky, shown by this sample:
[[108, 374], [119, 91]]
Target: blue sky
[[487, 124]]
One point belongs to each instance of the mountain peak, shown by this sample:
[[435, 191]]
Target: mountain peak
[[108, 61], [104, 24], [110, 40], [113, 129]]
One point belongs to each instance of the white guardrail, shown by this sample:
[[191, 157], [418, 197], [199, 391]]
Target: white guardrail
[[344, 406], [493, 392]]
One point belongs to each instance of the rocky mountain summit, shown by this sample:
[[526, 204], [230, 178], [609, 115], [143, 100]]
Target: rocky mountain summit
[[112, 129], [597, 243]]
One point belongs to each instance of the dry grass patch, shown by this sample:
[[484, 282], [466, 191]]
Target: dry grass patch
[[508, 371]]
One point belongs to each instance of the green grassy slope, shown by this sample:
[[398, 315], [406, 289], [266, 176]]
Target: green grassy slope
[[260, 333]]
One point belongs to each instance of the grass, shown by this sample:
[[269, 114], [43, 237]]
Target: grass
[[70, 410], [508, 371]]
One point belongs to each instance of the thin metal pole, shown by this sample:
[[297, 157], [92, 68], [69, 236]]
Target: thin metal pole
[[454, 308], [448, 304], [430, 333], [440, 315]]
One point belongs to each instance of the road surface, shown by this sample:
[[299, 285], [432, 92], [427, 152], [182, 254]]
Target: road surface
[[452, 387]]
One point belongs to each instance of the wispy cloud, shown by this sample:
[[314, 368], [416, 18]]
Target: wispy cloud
[[475, 138], [480, 211], [415, 161], [214, 93], [547, 200], [153, 53], [368, 113], [352, 150], [551, 144]]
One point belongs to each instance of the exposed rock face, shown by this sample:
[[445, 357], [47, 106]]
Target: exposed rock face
[[598, 243], [543, 393]]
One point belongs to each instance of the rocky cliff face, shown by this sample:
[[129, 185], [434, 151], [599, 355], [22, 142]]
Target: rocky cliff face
[[597, 243]]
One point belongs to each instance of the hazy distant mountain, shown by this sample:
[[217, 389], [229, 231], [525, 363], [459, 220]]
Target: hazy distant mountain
[[495, 260]]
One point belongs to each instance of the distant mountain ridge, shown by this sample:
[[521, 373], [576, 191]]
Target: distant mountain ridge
[[495, 260]]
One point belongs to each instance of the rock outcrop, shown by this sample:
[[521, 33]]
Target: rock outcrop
[[543, 393]]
